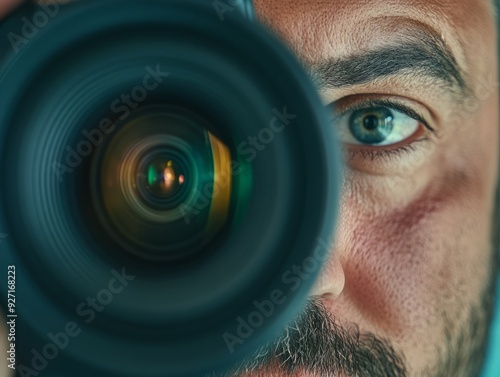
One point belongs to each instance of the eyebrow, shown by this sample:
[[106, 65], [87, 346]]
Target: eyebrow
[[420, 54]]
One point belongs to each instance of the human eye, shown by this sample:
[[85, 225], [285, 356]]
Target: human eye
[[378, 128], [375, 126]]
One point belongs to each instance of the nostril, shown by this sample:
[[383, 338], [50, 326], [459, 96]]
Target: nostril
[[331, 281]]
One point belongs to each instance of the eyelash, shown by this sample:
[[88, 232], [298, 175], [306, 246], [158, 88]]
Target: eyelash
[[397, 152], [387, 152]]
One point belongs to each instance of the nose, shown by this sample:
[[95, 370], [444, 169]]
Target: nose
[[331, 280]]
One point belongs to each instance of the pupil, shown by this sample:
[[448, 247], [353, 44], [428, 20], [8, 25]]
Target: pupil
[[371, 125], [370, 122]]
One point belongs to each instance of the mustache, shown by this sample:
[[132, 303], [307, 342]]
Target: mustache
[[318, 344]]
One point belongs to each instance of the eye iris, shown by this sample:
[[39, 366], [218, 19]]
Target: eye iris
[[371, 126]]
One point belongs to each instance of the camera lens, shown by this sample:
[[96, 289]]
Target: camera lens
[[162, 183], [188, 157]]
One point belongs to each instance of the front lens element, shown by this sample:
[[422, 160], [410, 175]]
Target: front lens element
[[163, 183], [164, 178]]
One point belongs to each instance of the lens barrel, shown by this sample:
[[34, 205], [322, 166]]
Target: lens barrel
[[163, 170]]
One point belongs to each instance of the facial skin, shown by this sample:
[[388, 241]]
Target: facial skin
[[412, 261]]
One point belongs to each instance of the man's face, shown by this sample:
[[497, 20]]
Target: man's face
[[413, 88]]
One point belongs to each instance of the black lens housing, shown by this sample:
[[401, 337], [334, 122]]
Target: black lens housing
[[60, 86]]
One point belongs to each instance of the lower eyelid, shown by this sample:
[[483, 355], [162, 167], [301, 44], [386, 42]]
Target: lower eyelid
[[375, 153], [392, 160]]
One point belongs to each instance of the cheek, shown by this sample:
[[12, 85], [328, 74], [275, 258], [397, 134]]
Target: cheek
[[405, 267], [386, 265]]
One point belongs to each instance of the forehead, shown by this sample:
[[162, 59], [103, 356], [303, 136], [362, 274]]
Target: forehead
[[319, 29]]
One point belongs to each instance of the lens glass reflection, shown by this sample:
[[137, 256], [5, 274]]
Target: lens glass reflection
[[163, 183]]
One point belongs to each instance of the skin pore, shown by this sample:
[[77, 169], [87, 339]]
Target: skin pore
[[408, 287]]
